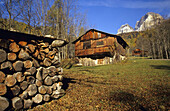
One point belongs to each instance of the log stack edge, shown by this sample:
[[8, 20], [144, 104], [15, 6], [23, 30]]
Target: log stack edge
[[30, 71]]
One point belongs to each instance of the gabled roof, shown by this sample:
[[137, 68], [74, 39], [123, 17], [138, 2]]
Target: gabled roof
[[119, 39], [89, 31]]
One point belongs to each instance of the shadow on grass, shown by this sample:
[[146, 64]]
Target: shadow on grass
[[127, 98], [66, 82], [161, 67]]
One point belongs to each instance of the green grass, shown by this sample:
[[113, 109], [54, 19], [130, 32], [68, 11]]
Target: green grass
[[137, 84]]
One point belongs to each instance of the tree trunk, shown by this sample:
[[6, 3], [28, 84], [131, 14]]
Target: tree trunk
[[154, 52], [166, 52]]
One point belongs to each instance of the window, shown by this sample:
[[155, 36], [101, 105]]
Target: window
[[87, 45], [99, 43], [137, 51], [99, 35]]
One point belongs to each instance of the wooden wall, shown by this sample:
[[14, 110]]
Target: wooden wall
[[99, 44]]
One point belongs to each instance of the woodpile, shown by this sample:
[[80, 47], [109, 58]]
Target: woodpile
[[29, 73]]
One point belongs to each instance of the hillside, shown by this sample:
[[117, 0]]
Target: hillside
[[115, 87], [19, 27]]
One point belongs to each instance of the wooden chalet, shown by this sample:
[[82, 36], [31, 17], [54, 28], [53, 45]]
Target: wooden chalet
[[139, 53], [96, 44]]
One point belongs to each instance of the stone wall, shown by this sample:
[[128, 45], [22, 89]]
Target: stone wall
[[30, 71], [102, 61], [93, 62]]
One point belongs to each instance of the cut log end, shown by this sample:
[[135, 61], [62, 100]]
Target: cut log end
[[12, 56], [3, 89], [2, 76], [14, 47], [18, 65], [10, 80], [3, 103], [38, 98], [2, 55], [17, 103], [28, 103]]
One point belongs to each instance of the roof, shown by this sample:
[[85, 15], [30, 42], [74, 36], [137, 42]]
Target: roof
[[119, 39], [6, 34], [89, 31]]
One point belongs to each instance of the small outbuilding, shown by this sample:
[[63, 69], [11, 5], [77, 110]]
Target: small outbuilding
[[139, 53], [97, 47]]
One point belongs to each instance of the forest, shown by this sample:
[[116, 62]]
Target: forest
[[155, 40], [58, 18]]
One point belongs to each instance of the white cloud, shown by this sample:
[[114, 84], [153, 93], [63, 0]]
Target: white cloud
[[127, 3], [95, 3], [1, 2], [142, 4]]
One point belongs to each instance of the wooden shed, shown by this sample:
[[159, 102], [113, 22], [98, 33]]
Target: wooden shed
[[139, 53], [97, 44]]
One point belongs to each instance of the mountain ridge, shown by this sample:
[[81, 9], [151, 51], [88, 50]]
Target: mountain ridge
[[147, 21]]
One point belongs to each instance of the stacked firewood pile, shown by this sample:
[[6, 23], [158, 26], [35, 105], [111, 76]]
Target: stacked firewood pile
[[30, 73]]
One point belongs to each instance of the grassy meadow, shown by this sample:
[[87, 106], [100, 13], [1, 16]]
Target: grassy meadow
[[136, 84]]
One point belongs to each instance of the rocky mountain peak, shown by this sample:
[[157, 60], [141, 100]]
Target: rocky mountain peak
[[125, 29], [147, 21]]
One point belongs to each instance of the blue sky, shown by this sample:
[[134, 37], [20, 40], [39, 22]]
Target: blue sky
[[109, 15]]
